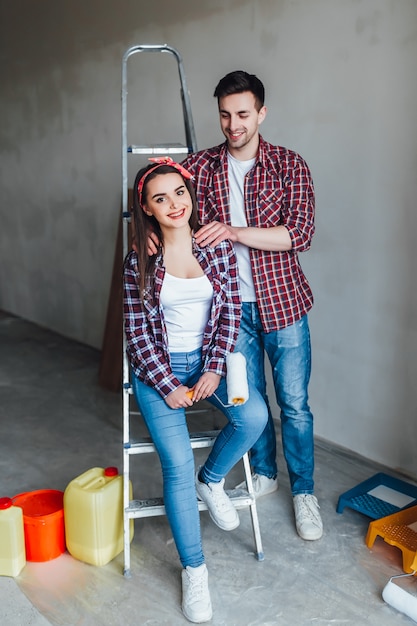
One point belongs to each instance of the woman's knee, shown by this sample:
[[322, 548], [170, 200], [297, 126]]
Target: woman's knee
[[254, 416], [176, 458], [181, 471]]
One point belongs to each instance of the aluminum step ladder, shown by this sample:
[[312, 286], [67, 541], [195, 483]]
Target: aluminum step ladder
[[134, 509]]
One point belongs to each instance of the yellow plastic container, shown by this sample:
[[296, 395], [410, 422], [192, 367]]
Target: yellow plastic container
[[12, 539], [93, 513]]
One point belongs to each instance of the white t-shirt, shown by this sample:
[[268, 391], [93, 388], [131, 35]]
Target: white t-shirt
[[186, 303], [237, 173]]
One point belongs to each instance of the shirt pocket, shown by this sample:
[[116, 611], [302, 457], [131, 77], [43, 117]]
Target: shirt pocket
[[151, 310], [220, 293], [211, 209], [270, 207], [220, 284]]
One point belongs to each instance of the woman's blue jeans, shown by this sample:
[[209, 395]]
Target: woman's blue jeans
[[289, 353], [169, 432]]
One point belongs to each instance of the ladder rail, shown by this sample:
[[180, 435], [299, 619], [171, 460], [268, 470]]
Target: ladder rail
[[187, 113], [188, 128], [190, 147], [185, 94]]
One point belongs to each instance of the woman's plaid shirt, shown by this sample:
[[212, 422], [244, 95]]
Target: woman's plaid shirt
[[146, 335]]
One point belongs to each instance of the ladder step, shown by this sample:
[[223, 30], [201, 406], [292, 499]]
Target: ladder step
[[145, 508], [155, 506], [168, 148], [198, 440]]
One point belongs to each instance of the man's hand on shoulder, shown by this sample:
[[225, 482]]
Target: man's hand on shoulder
[[214, 233], [152, 243]]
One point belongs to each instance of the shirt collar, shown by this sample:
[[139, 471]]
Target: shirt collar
[[261, 157]]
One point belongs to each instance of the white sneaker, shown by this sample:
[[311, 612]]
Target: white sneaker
[[307, 517], [196, 603], [219, 505], [262, 485]]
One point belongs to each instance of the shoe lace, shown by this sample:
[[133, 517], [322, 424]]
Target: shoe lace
[[220, 499], [308, 508], [196, 587]]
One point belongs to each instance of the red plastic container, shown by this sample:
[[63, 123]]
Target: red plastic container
[[43, 522]]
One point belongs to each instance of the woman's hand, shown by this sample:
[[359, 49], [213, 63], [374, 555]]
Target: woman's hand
[[205, 386], [178, 398]]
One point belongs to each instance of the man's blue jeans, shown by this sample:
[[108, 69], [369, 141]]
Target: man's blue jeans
[[169, 432], [289, 352]]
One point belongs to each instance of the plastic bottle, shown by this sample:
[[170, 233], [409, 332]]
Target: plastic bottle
[[93, 514], [12, 539]]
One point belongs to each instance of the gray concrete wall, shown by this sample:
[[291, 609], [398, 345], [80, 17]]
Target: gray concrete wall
[[341, 89]]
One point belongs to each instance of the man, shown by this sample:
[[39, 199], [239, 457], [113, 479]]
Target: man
[[261, 197]]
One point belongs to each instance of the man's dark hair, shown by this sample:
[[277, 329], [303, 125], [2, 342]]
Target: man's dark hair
[[238, 82]]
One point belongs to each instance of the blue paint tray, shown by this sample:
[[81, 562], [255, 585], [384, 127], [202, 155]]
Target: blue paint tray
[[379, 496]]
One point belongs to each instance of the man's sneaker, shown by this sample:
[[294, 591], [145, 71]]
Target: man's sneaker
[[219, 505], [196, 603], [307, 517], [262, 485]]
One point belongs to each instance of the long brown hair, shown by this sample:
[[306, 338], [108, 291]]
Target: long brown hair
[[143, 224]]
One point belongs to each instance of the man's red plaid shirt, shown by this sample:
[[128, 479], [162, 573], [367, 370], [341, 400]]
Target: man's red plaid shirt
[[278, 191]]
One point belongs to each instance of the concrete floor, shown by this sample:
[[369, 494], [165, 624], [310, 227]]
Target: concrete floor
[[56, 422]]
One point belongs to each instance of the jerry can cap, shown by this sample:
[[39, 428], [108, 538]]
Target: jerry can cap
[[5, 503], [111, 471]]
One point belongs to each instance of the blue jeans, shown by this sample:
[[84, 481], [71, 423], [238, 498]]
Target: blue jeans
[[169, 432], [289, 353]]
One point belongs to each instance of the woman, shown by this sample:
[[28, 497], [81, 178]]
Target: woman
[[182, 312]]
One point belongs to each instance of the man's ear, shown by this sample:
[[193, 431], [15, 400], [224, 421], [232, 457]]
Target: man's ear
[[262, 114]]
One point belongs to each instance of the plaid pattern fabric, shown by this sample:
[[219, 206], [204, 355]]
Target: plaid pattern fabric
[[146, 336], [278, 191]]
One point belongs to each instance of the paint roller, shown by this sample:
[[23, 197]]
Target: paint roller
[[236, 380], [399, 598]]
